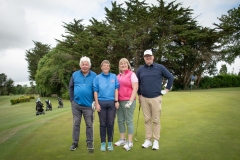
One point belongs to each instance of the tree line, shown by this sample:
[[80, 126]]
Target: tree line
[[7, 87], [168, 29]]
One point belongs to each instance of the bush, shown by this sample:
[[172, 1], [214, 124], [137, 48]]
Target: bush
[[20, 100], [65, 95], [220, 81], [32, 97], [206, 83], [177, 86]]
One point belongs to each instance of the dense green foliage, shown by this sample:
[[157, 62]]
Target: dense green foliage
[[223, 69], [229, 28], [6, 85], [168, 29], [34, 55], [21, 99], [220, 81]]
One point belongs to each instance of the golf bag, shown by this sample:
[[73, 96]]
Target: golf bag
[[48, 105], [60, 103], [39, 108]]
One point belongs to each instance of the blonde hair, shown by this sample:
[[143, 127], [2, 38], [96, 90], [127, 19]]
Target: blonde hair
[[124, 60]]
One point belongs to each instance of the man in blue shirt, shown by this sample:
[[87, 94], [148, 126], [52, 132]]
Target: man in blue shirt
[[81, 97], [150, 97]]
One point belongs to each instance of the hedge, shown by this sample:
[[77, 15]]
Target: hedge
[[220, 81], [21, 99]]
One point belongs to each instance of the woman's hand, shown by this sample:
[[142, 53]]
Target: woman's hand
[[128, 105], [117, 105], [98, 107]]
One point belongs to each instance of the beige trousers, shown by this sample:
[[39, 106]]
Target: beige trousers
[[151, 108]]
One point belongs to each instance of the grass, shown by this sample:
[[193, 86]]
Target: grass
[[198, 125]]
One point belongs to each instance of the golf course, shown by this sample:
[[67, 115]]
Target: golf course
[[195, 125]]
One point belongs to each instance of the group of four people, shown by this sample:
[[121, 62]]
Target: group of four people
[[112, 94]]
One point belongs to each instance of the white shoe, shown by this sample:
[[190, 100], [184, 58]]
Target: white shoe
[[147, 144], [128, 146], [155, 145], [121, 142]]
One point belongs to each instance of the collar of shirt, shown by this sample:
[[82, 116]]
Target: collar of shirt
[[151, 65]]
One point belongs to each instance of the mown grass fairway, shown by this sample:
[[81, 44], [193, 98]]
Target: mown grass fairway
[[196, 125]]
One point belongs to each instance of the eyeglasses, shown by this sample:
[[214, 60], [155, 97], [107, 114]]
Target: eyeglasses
[[147, 56]]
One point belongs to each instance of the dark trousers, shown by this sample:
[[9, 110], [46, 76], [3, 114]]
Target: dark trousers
[[107, 117], [87, 113]]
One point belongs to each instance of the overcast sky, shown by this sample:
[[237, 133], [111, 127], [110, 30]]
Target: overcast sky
[[25, 21]]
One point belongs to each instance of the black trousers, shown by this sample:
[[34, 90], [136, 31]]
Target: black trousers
[[107, 117]]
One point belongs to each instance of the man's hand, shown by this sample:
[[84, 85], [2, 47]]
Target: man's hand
[[164, 91], [139, 99], [128, 105]]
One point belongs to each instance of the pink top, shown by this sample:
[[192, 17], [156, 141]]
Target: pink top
[[125, 85]]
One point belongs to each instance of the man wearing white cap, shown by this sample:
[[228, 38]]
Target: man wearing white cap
[[150, 97]]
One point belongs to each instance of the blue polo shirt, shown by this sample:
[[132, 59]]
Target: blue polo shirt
[[81, 88], [105, 85]]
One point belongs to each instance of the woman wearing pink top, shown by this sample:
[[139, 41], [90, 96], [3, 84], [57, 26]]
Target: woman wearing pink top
[[128, 86]]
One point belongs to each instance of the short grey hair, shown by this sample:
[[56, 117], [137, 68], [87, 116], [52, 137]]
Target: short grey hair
[[85, 59], [105, 61]]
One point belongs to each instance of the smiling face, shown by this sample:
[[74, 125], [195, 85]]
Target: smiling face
[[105, 66], [148, 59], [124, 65], [85, 67]]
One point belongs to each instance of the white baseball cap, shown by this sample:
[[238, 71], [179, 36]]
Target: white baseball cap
[[148, 52]]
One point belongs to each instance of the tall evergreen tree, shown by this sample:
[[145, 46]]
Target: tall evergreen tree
[[229, 28], [223, 70], [9, 84], [3, 79], [168, 29], [34, 55]]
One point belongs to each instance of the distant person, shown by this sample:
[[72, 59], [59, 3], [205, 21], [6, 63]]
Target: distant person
[[150, 92], [81, 97], [128, 86], [106, 101]]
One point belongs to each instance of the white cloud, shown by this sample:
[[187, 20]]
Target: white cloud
[[14, 66], [25, 21], [14, 30], [207, 11]]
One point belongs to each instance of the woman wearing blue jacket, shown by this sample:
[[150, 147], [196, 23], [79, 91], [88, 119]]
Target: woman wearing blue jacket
[[105, 86]]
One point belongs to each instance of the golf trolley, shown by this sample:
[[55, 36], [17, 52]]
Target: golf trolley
[[48, 105], [39, 108], [60, 103]]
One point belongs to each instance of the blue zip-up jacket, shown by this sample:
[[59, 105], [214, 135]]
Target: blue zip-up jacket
[[150, 80], [105, 86], [81, 88]]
